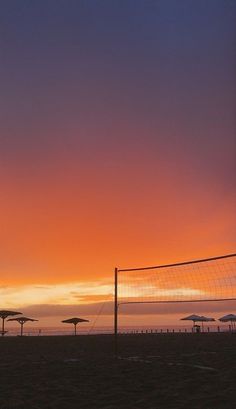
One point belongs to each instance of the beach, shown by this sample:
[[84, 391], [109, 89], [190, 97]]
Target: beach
[[151, 371]]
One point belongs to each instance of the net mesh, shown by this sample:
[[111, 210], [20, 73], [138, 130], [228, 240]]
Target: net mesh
[[202, 280]]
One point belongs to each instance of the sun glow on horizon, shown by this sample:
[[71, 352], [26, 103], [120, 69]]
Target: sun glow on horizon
[[78, 294], [63, 294]]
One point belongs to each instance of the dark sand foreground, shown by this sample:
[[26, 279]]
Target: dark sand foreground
[[162, 371]]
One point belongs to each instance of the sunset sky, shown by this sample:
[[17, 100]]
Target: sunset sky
[[117, 142]]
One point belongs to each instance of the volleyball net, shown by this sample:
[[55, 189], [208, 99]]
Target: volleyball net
[[211, 279]]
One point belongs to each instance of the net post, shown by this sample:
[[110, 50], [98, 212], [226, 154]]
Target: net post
[[116, 310]]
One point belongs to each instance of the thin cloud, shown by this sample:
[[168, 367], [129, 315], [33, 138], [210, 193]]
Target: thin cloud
[[56, 310]]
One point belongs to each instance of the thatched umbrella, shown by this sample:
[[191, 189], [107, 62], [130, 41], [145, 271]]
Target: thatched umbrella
[[21, 321], [229, 318], [205, 319], [193, 317], [197, 318], [4, 314], [74, 321]]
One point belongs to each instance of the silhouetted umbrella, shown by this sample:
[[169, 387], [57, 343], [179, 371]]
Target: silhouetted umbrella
[[4, 314], [197, 318], [229, 318], [21, 321], [193, 317], [205, 319], [74, 321]]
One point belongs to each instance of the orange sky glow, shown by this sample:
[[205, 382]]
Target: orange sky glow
[[117, 147]]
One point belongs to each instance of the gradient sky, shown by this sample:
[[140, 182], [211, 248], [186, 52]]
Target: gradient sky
[[117, 141]]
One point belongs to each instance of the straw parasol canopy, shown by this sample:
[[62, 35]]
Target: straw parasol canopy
[[74, 321], [4, 314], [205, 319], [229, 318], [21, 321], [193, 317], [198, 318]]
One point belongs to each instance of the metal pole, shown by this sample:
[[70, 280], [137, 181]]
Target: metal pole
[[116, 311], [21, 329]]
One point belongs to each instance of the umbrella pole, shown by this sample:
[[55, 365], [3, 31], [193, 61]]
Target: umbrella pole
[[232, 326], [75, 328], [21, 329], [3, 327]]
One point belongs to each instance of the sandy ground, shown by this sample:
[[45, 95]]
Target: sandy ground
[[152, 372]]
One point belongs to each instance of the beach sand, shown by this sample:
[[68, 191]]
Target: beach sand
[[152, 372]]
